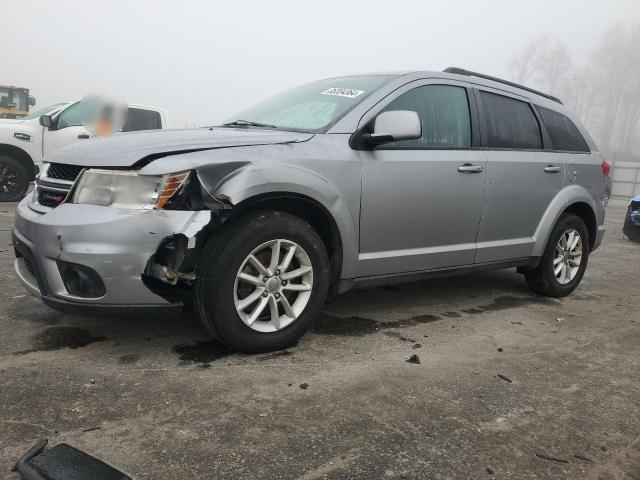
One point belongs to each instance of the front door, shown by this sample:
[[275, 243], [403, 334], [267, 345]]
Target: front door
[[422, 199], [69, 127]]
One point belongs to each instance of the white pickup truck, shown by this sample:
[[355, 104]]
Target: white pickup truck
[[25, 141]]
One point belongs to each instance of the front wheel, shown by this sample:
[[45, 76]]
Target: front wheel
[[14, 179], [564, 260], [262, 281]]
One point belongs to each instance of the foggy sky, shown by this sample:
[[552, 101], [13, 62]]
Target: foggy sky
[[204, 61]]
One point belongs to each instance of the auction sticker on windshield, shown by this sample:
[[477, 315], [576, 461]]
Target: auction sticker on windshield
[[342, 92]]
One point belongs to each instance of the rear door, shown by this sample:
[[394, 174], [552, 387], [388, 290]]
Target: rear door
[[422, 199], [522, 176], [142, 119]]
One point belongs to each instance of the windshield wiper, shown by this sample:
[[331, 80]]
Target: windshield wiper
[[247, 123]]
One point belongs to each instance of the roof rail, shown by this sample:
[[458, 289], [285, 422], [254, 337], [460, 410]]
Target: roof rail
[[462, 71]]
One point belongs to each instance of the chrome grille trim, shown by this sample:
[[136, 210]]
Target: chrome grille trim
[[48, 184]]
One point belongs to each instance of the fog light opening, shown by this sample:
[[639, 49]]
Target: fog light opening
[[81, 281]]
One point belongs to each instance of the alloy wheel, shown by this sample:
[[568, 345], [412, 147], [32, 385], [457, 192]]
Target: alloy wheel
[[8, 180], [273, 285], [568, 256]]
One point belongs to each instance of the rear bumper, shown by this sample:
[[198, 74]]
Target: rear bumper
[[116, 244]]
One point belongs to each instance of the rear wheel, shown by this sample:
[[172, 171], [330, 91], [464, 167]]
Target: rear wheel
[[14, 179], [262, 281], [564, 260]]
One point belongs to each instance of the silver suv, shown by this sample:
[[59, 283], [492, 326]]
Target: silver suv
[[351, 181]]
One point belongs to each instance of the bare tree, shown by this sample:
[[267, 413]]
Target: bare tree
[[616, 68], [577, 91], [524, 66], [604, 93], [553, 67]]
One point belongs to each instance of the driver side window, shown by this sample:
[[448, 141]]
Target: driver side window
[[78, 114], [444, 115]]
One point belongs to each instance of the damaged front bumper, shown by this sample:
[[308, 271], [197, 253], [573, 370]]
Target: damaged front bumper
[[104, 250]]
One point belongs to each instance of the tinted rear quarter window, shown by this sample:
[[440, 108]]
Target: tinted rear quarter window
[[139, 119], [509, 123], [562, 131]]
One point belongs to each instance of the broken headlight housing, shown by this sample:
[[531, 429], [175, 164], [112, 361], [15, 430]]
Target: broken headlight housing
[[126, 189]]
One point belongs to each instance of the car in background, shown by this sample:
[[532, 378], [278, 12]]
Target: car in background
[[25, 141], [608, 183], [631, 226]]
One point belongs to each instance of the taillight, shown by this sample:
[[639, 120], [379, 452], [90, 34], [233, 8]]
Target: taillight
[[606, 168]]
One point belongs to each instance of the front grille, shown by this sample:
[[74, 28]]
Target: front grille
[[50, 198], [53, 185], [61, 171]]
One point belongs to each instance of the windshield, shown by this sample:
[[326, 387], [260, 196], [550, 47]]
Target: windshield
[[43, 111], [311, 107]]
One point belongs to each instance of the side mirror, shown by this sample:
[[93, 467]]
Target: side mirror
[[391, 126], [46, 121], [32, 101], [397, 125]]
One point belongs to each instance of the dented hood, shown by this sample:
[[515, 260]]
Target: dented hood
[[126, 149]]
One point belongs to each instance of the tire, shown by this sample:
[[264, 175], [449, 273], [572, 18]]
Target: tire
[[542, 279], [14, 179], [220, 293]]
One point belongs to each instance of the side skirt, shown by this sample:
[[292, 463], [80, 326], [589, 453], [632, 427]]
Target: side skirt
[[407, 277]]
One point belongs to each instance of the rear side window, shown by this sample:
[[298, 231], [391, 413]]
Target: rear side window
[[509, 123], [444, 115], [139, 119], [562, 131]]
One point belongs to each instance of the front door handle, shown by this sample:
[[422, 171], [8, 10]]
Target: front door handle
[[552, 169], [469, 168], [84, 136]]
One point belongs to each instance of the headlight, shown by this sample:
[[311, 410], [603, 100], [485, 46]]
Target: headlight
[[126, 189]]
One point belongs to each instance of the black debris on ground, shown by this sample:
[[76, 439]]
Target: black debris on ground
[[414, 359]]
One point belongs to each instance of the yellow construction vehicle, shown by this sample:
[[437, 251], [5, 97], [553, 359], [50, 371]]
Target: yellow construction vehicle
[[15, 101]]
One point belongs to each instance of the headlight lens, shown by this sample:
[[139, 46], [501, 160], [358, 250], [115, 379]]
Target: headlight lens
[[126, 189]]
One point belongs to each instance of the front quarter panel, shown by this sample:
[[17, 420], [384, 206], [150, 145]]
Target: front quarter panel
[[324, 169], [32, 146]]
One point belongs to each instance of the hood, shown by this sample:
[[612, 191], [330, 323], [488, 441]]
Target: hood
[[10, 120], [126, 149]]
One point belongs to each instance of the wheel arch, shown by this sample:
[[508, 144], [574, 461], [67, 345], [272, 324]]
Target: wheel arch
[[586, 213], [22, 156], [573, 199], [309, 210], [293, 189]]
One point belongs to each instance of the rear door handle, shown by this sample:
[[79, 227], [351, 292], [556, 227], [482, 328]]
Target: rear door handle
[[469, 168], [552, 169], [84, 136]]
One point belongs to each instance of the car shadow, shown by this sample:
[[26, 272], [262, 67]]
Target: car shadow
[[353, 313]]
